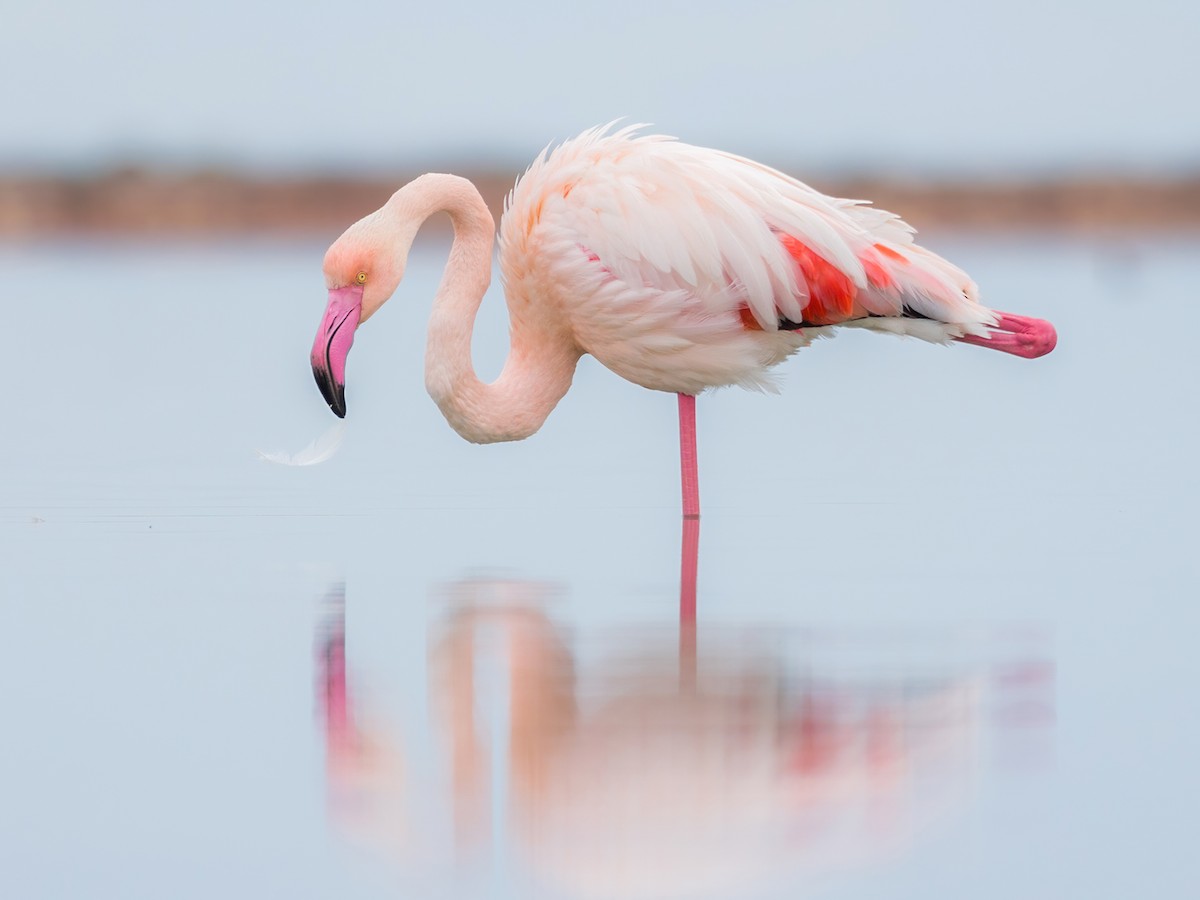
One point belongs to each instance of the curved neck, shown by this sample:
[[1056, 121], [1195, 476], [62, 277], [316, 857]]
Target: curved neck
[[541, 360]]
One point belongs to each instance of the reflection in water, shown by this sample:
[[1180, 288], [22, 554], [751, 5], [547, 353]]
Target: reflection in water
[[363, 761], [651, 764]]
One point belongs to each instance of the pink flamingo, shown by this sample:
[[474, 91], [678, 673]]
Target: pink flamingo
[[677, 267]]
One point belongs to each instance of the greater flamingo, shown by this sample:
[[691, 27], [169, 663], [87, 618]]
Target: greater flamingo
[[679, 268]]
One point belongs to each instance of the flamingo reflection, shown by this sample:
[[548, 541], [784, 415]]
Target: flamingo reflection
[[633, 770], [364, 758]]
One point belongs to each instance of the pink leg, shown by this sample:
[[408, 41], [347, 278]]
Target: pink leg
[[689, 562], [690, 553], [687, 456], [687, 605], [1018, 335]]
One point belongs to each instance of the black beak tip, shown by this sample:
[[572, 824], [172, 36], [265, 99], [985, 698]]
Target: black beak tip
[[334, 393]]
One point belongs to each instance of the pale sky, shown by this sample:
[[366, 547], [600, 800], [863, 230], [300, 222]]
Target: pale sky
[[925, 84]]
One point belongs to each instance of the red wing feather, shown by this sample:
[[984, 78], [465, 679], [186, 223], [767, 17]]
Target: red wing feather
[[831, 292]]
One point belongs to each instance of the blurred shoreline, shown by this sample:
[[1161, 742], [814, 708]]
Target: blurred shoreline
[[144, 201]]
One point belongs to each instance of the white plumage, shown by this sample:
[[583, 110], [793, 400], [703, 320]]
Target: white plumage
[[678, 268], [655, 246]]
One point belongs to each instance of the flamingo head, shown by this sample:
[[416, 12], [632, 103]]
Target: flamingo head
[[360, 275]]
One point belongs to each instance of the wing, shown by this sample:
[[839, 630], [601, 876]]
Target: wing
[[735, 235]]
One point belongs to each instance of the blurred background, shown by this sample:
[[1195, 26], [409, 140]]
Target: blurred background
[[946, 598], [131, 118]]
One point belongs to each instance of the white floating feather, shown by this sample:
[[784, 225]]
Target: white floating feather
[[320, 450]]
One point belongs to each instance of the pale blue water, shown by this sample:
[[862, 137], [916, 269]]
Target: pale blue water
[[947, 603]]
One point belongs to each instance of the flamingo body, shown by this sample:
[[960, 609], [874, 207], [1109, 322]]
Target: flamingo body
[[677, 267], [682, 268]]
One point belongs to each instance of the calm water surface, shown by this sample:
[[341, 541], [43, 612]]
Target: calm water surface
[[947, 603]]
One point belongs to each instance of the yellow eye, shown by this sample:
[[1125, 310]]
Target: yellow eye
[[362, 278]]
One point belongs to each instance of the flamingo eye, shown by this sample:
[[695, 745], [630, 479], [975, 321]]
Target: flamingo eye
[[362, 278]]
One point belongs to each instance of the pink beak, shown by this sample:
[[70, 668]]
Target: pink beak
[[332, 345]]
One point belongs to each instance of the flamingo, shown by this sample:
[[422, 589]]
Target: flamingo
[[679, 268]]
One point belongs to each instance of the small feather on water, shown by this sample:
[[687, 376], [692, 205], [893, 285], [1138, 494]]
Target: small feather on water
[[320, 450]]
